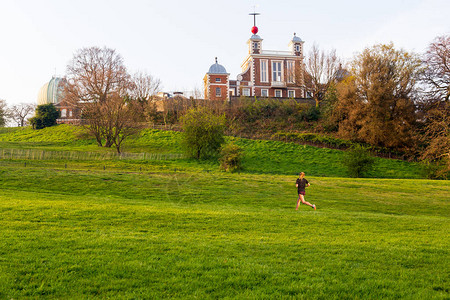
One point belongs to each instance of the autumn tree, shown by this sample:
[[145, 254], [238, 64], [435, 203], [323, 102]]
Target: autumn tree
[[99, 84], [19, 113], [320, 67], [376, 104], [437, 137]]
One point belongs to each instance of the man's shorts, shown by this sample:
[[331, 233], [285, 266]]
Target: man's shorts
[[302, 193]]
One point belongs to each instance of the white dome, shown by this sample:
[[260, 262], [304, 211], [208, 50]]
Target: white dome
[[51, 92]]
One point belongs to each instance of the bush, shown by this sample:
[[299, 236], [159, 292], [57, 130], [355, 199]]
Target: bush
[[203, 132], [46, 115], [310, 114], [358, 161], [231, 157]]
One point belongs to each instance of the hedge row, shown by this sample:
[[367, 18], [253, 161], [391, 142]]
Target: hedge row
[[332, 142]]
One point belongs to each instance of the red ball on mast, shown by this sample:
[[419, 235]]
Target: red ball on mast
[[254, 28]]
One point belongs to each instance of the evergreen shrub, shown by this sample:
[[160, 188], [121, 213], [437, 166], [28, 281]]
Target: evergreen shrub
[[45, 116], [358, 161]]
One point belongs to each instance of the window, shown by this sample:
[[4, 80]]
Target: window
[[218, 92], [264, 71], [255, 45], [291, 94], [276, 71], [297, 48], [278, 93], [246, 92], [290, 71], [264, 93], [70, 113], [63, 113], [218, 80]]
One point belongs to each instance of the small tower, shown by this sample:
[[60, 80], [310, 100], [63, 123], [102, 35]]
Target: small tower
[[296, 46], [216, 82], [255, 41]]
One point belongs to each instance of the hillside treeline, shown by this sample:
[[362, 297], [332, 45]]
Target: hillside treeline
[[386, 98]]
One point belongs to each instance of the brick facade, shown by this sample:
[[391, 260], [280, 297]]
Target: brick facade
[[216, 86], [275, 74]]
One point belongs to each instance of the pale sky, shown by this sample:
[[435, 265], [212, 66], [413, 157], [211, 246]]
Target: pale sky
[[177, 41]]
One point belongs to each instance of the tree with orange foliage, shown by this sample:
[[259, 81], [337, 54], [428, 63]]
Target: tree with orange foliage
[[376, 104]]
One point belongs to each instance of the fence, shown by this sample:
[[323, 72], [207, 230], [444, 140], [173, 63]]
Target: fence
[[35, 154]]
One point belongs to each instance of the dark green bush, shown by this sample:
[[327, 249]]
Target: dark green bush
[[310, 114], [45, 116], [358, 161]]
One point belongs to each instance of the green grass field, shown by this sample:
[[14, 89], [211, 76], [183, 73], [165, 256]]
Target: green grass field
[[182, 229]]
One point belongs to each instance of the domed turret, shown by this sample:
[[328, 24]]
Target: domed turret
[[296, 39], [217, 69], [216, 82], [296, 45], [52, 91]]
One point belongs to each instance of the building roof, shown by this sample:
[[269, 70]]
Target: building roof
[[255, 37], [296, 39], [217, 69]]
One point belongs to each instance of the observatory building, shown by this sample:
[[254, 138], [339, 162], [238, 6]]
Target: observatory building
[[265, 73], [52, 92]]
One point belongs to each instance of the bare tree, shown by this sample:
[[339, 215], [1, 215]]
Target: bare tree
[[198, 93], [142, 91], [19, 113], [3, 113], [436, 77], [144, 87], [98, 83], [321, 67], [437, 69]]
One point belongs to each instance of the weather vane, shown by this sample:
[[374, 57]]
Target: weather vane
[[254, 14]]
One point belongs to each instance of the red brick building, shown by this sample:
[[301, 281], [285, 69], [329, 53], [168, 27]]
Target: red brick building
[[216, 83], [265, 73]]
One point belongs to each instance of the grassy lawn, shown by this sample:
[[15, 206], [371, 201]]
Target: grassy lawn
[[178, 228], [84, 232]]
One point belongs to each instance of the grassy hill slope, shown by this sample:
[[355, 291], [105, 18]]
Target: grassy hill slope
[[261, 157]]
